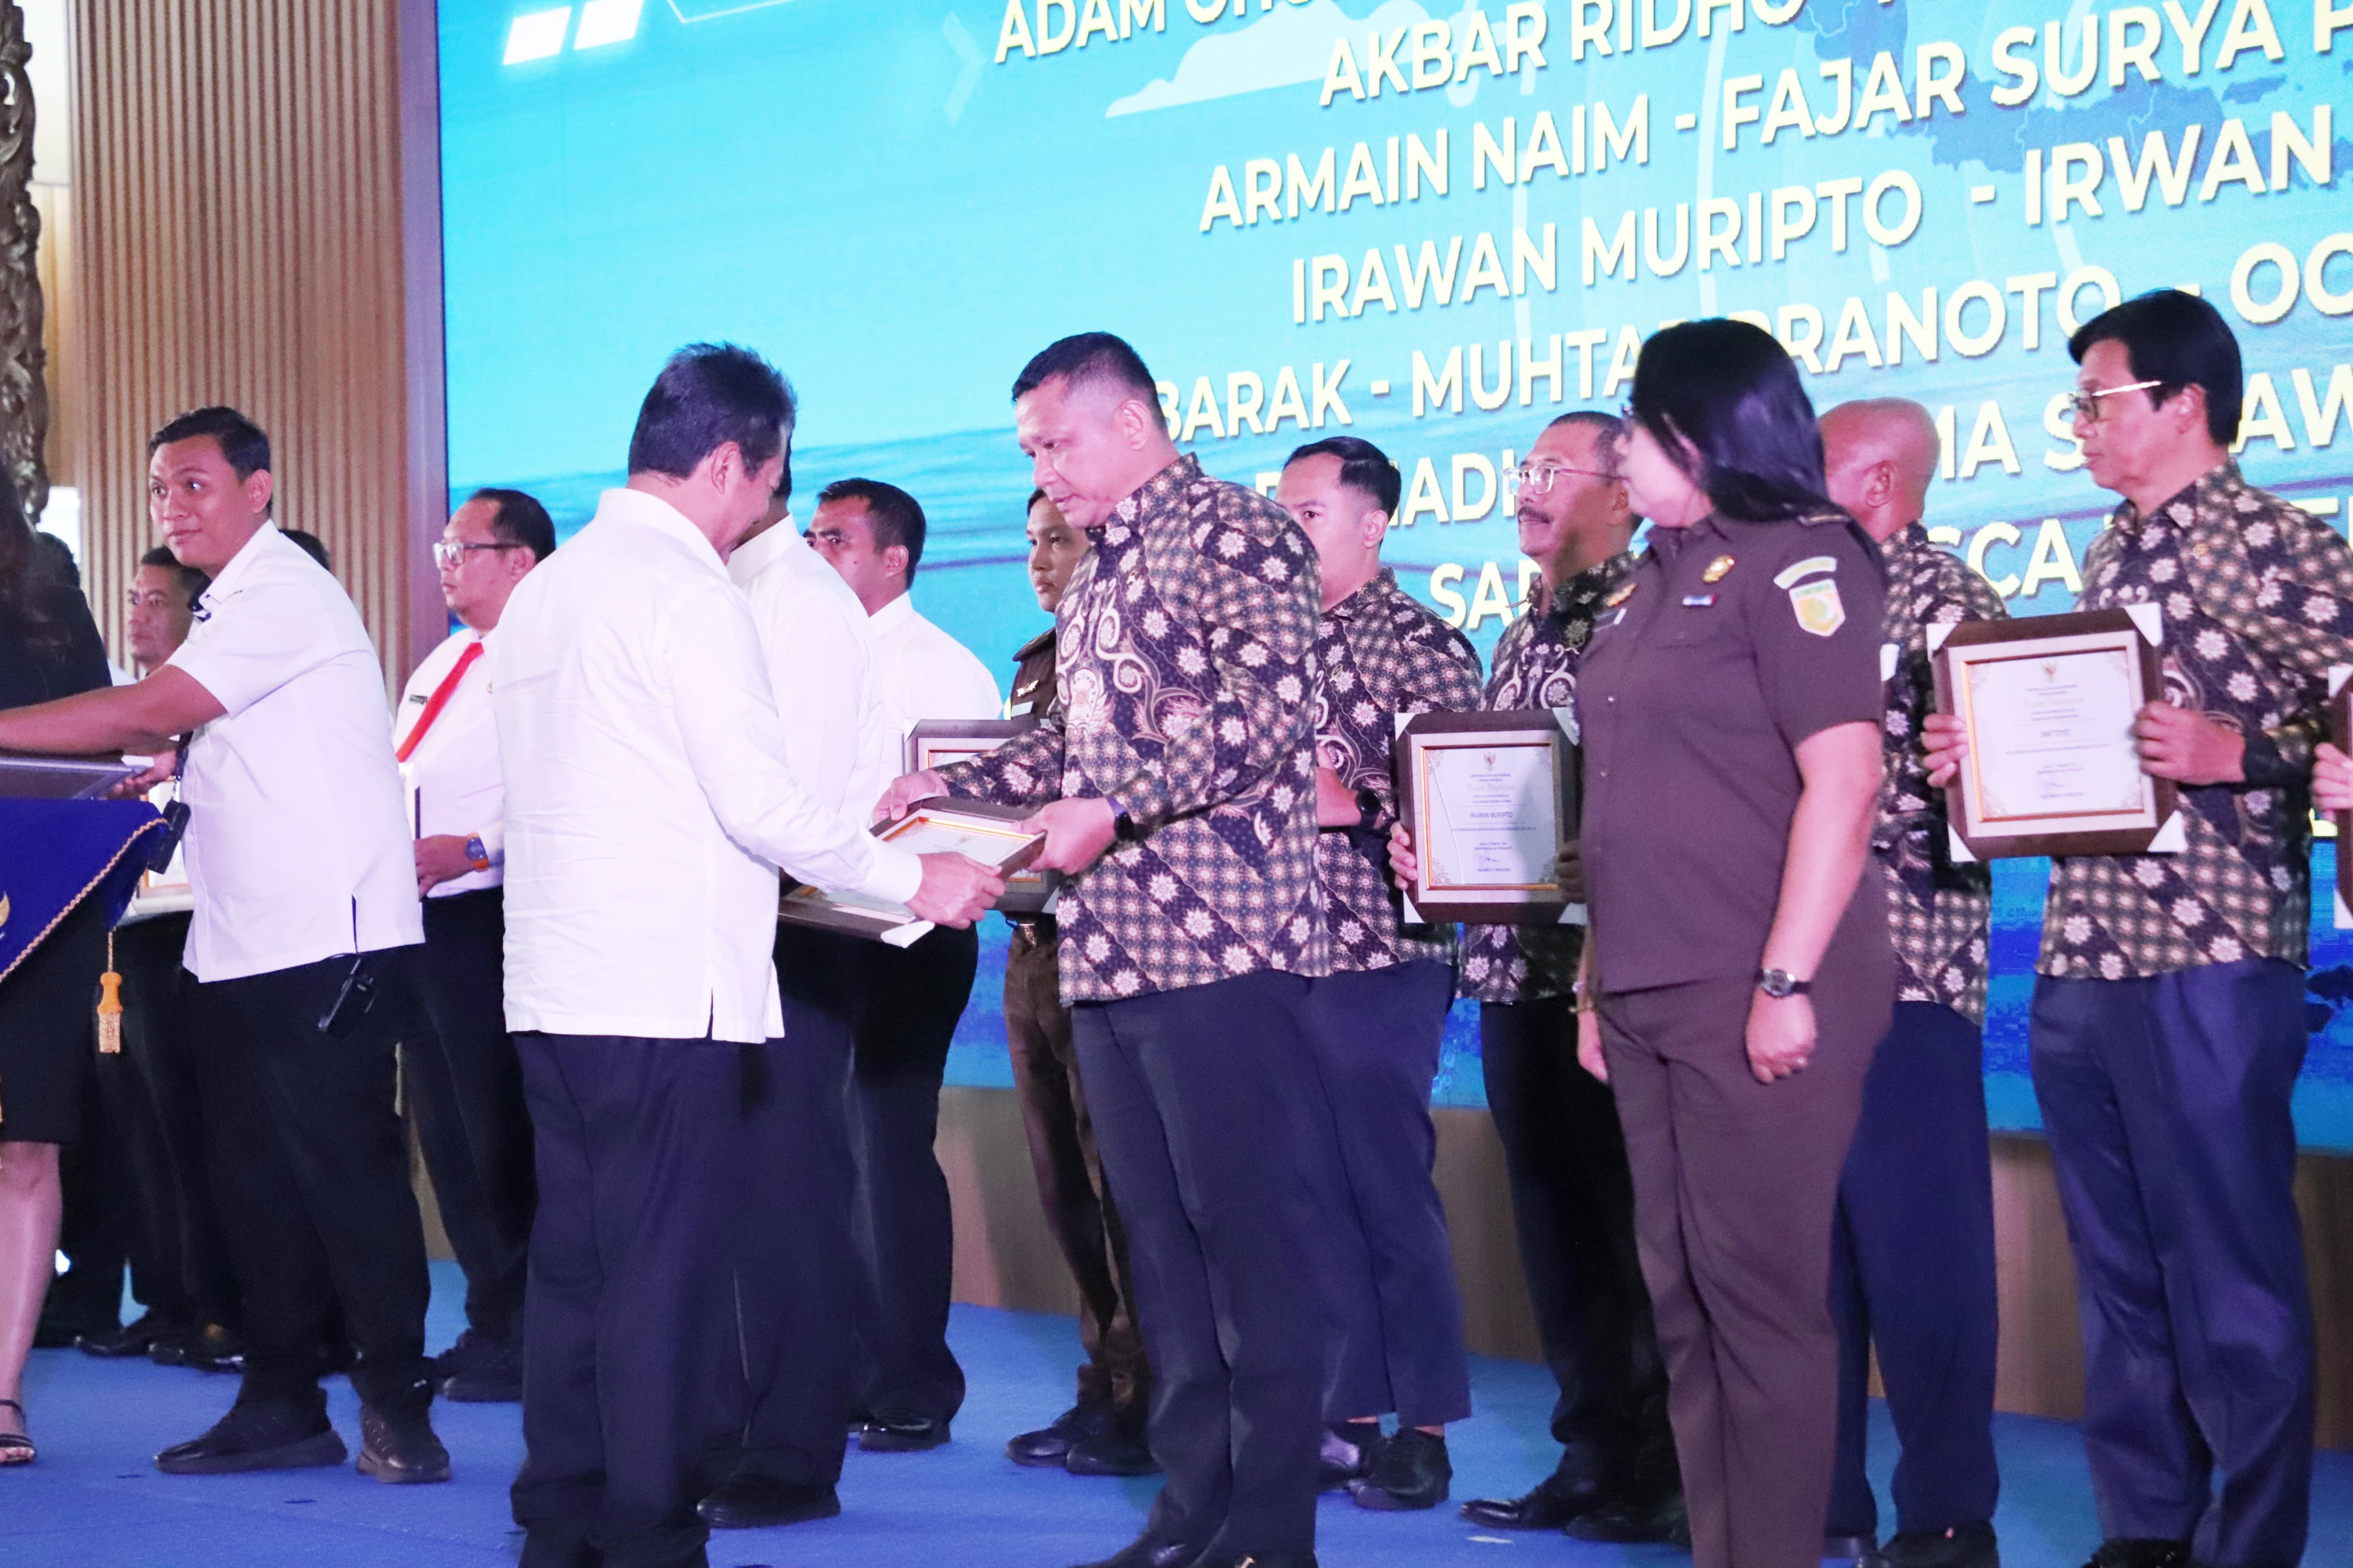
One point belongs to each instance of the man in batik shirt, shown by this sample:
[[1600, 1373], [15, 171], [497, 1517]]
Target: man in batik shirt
[[1572, 1195], [1911, 1259], [2168, 1023], [1175, 779], [1375, 1021]]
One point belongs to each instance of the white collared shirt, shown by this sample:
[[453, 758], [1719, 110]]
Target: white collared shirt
[[824, 669], [927, 674], [650, 794], [297, 847], [452, 777]]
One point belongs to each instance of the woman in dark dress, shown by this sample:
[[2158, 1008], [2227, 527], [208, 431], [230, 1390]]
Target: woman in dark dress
[[50, 648]]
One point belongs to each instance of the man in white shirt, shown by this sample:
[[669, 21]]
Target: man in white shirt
[[463, 1078], [906, 1003], [650, 800], [305, 911]]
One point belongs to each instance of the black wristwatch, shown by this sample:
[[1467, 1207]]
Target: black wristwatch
[[1781, 985]]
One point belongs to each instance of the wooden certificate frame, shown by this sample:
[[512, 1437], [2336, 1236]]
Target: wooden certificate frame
[[1515, 892]]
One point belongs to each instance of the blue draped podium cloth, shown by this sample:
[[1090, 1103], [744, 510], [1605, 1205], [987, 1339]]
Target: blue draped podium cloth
[[56, 853]]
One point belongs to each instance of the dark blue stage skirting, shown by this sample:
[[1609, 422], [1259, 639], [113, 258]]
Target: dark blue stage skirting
[[92, 1500]]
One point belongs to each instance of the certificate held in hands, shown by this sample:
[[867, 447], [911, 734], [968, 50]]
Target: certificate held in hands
[[1491, 802], [2047, 704], [985, 832]]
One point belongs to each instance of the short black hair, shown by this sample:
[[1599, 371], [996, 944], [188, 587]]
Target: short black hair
[[241, 440], [896, 517], [1363, 467], [312, 545], [707, 395], [1610, 433], [1723, 399], [2178, 341], [1031, 504], [1088, 356], [191, 581], [518, 520]]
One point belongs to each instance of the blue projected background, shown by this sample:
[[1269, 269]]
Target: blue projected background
[[1436, 225]]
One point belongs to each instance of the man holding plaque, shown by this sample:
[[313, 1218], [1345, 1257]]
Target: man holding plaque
[[1176, 784], [1572, 1195], [1374, 1023], [1912, 1259], [2168, 1025]]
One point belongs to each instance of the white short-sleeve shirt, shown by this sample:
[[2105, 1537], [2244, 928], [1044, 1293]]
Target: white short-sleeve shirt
[[927, 674], [297, 847], [452, 773]]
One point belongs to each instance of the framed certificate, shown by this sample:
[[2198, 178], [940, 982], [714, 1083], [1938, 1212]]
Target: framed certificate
[[1490, 801], [943, 742], [26, 777], [2047, 704], [990, 834]]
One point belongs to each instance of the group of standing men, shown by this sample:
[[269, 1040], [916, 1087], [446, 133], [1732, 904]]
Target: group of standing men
[[1224, 1036]]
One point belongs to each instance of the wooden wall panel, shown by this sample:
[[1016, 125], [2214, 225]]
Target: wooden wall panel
[[238, 238]]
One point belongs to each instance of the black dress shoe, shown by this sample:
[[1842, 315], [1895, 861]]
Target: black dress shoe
[[2123, 1552], [480, 1370], [1149, 1552], [1047, 1446], [214, 1347], [1963, 1546], [753, 1502], [1347, 1454], [1411, 1471], [258, 1438], [1121, 1449], [1260, 1560], [58, 1333], [1551, 1503], [1630, 1519], [1850, 1548], [902, 1434], [401, 1450], [131, 1340]]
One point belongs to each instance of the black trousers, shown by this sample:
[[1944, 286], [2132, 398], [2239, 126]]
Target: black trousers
[[310, 1172], [2167, 1101], [1374, 1036], [783, 1393], [1204, 1109], [637, 1143], [465, 1086], [1573, 1210], [904, 1017], [1080, 1213], [1912, 1272]]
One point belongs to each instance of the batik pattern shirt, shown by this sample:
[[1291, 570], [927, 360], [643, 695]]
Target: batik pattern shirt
[[1185, 654], [2257, 596], [1378, 654], [1536, 667], [1938, 912]]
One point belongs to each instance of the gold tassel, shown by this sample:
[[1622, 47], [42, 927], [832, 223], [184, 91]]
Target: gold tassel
[[109, 1005]]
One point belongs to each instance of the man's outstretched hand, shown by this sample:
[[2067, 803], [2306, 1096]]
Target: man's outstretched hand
[[956, 889]]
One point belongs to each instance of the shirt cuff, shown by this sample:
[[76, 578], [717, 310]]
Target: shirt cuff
[[494, 836], [897, 872]]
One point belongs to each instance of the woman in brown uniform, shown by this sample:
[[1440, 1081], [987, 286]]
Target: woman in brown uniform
[[1739, 971]]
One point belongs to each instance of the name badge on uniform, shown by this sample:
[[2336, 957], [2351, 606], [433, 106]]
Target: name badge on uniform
[[1698, 601], [1016, 711]]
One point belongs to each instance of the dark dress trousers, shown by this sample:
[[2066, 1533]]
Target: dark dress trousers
[[1732, 644], [310, 1174], [904, 1018], [465, 1084], [1080, 1213]]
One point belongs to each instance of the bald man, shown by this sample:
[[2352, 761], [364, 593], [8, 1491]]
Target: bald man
[[1911, 1267]]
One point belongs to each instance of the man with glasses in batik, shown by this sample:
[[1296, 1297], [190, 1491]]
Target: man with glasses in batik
[[2169, 1020], [1572, 1196], [463, 1078]]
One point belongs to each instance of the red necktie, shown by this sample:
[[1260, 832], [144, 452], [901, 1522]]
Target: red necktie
[[439, 699]]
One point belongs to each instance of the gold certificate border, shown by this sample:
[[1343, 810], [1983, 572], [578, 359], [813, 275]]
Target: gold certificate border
[[2125, 642], [1436, 886]]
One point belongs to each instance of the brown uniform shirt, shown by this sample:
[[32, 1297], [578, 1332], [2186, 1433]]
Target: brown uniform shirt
[[1728, 644], [1033, 680]]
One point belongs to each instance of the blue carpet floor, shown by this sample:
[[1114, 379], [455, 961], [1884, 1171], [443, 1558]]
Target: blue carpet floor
[[93, 1500]]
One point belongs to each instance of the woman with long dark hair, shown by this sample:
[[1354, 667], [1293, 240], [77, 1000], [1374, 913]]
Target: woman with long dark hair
[[1739, 973], [50, 648]]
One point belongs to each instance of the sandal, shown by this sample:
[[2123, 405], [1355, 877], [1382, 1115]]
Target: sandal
[[15, 1448]]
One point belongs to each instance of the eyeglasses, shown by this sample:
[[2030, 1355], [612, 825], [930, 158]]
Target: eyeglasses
[[1537, 478], [449, 552], [2083, 407]]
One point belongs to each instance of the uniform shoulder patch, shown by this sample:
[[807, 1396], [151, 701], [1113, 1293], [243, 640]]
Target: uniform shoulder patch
[[1819, 607], [1811, 566]]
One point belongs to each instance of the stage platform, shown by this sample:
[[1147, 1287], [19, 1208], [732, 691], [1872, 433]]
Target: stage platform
[[93, 1500]]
